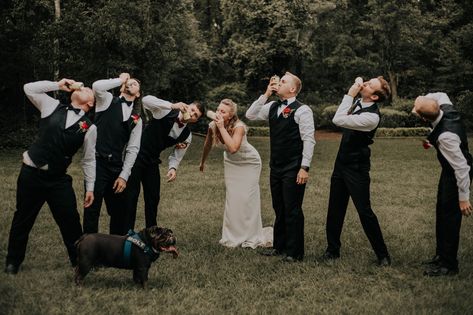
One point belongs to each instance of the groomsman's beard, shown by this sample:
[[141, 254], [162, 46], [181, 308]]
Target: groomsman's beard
[[127, 93]]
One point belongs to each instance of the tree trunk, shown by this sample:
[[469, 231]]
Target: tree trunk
[[393, 81], [57, 17]]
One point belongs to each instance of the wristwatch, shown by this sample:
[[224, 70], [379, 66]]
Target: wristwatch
[[305, 168]]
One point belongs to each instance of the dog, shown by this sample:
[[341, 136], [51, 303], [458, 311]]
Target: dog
[[135, 251]]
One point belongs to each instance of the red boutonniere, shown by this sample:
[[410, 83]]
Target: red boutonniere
[[286, 112], [426, 144], [83, 126], [135, 118]]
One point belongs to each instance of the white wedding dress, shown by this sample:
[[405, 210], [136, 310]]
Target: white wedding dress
[[242, 225]]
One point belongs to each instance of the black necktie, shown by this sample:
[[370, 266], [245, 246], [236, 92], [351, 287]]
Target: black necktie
[[354, 106], [123, 99], [75, 110]]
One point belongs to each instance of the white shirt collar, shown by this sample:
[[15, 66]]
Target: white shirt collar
[[365, 104]]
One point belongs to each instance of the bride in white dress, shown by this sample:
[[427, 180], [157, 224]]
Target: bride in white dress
[[242, 225]]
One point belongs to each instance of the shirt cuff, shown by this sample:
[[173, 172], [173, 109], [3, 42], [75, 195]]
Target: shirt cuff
[[89, 186], [125, 175], [463, 196]]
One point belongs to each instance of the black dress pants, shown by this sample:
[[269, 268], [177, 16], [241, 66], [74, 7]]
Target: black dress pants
[[352, 180], [34, 188], [106, 175], [148, 175], [287, 197], [448, 220]]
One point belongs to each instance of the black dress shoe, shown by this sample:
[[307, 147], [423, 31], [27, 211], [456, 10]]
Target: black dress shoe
[[437, 271], [328, 256], [270, 252], [384, 262], [431, 262], [290, 259], [11, 269]]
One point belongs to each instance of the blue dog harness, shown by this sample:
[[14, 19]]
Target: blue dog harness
[[134, 238]]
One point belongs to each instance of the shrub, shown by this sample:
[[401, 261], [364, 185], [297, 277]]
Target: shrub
[[234, 91], [324, 120], [464, 104], [403, 132], [403, 104], [390, 118], [258, 131]]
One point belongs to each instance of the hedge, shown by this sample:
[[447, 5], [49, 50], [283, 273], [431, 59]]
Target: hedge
[[390, 118], [381, 132]]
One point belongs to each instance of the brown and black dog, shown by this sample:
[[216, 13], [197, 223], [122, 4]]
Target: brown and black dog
[[112, 251]]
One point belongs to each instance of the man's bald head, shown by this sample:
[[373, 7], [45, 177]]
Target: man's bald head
[[426, 108]]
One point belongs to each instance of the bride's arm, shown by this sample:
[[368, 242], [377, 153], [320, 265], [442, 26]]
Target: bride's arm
[[207, 147], [232, 142]]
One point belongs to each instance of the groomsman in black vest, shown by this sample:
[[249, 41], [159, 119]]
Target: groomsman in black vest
[[351, 178], [119, 128], [63, 129], [453, 197], [292, 144], [167, 128]]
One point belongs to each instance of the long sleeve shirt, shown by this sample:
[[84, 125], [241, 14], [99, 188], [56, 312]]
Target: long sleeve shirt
[[103, 100], [36, 93], [160, 108], [363, 122], [303, 116], [449, 146]]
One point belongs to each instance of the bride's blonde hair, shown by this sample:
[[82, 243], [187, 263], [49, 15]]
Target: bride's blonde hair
[[230, 127]]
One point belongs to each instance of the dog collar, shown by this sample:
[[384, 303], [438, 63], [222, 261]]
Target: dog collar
[[134, 238]]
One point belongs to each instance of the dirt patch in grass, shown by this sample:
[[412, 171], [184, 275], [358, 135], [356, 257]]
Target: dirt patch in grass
[[327, 135]]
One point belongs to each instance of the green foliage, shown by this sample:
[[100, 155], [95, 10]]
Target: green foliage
[[464, 105], [402, 132], [390, 118], [234, 91], [258, 131], [324, 121], [195, 49], [393, 118], [403, 104]]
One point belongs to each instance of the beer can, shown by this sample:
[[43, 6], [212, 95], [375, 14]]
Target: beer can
[[76, 85], [211, 114], [186, 116]]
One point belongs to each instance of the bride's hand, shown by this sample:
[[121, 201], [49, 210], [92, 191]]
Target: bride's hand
[[219, 121]]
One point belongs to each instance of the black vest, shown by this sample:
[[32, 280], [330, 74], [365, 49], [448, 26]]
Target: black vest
[[113, 133], [55, 145], [354, 144], [285, 139], [156, 137], [452, 122]]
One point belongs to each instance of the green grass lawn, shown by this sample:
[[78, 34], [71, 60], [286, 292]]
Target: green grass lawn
[[208, 278]]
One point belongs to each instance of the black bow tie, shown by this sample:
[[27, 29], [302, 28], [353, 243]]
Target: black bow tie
[[354, 107], [282, 102], [123, 99], [75, 110]]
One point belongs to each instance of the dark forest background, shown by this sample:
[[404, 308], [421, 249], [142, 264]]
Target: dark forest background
[[183, 50]]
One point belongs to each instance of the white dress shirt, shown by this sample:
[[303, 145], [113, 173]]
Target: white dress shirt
[[303, 116], [103, 100], [449, 145], [36, 93], [363, 122], [160, 108]]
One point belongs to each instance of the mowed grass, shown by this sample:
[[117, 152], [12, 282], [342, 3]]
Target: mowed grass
[[210, 279]]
